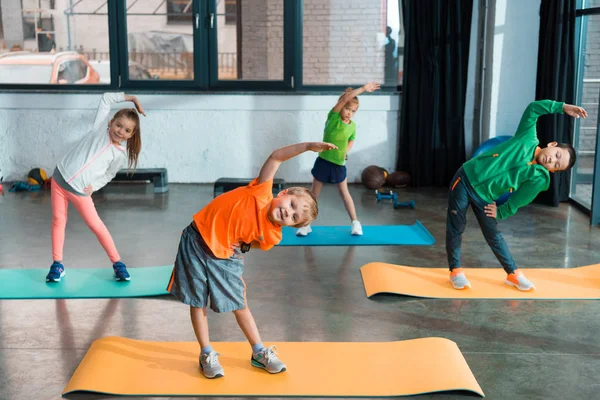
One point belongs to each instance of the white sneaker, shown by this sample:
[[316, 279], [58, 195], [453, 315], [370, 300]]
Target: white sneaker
[[305, 230], [356, 228]]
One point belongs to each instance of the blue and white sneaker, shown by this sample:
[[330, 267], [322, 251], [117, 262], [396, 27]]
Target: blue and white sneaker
[[57, 271], [120, 271]]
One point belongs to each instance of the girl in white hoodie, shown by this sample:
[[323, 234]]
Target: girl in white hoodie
[[88, 166]]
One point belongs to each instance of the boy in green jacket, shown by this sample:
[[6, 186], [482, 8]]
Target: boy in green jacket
[[518, 165]]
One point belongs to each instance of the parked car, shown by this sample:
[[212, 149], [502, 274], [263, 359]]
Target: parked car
[[136, 71], [65, 67]]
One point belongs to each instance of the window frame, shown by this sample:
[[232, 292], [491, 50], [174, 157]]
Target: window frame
[[198, 83], [593, 210], [290, 71]]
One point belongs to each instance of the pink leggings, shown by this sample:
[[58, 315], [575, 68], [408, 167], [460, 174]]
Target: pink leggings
[[85, 206]]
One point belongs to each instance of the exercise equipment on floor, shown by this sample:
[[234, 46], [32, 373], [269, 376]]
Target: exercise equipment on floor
[[79, 283], [487, 146], [374, 177], [158, 176], [373, 235], [486, 283], [394, 197], [127, 367], [37, 178]]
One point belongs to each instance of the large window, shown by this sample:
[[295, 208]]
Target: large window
[[583, 189], [200, 44]]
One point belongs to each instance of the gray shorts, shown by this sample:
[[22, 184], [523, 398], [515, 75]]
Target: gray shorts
[[198, 275]]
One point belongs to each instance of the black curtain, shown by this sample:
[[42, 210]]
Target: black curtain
[[556, 81], [436, 57]]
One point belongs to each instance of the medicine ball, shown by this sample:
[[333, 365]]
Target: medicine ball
[[37, 176], [399, 179], [373, 177]]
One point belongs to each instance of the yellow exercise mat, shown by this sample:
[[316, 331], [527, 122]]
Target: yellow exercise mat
[[486, 283], [119, 366]]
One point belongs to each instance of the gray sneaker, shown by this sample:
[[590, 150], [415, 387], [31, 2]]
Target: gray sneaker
[[460, 281], [519, 281], [209, 364], [267, 360]]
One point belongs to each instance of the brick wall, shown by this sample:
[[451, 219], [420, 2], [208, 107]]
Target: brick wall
[[262, 40], [342, 41]]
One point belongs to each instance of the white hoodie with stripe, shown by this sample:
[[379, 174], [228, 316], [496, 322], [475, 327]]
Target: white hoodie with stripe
[[95, 160]]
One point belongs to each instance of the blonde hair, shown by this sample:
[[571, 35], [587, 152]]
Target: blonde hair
[[134, 143], [311, 200], [353, 100]]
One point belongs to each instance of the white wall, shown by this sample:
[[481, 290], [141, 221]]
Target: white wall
[[510, 68], [514, 71], [199, 138]]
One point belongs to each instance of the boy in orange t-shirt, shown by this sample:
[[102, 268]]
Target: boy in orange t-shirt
[[209, 262]]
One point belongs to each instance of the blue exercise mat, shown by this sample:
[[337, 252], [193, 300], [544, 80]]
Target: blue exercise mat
[[80, 283], [376, 235]]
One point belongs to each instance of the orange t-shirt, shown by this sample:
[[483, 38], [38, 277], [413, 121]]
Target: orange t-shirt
[[240, 214]]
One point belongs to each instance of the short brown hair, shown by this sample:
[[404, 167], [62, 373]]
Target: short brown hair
[[313, 207]]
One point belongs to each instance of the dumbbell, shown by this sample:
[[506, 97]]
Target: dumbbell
[[381, 196], [400, 204]]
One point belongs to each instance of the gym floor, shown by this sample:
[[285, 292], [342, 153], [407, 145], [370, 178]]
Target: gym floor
[[516, 349]]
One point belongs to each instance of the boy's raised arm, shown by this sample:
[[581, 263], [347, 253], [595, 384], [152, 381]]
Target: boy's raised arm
[[535, 109], [282, 154]]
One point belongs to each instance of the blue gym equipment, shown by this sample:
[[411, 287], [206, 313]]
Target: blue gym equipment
[[394, 197], [488, 145]]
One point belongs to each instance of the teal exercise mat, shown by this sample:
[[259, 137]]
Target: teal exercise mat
[[373, 235], [83, 283]]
